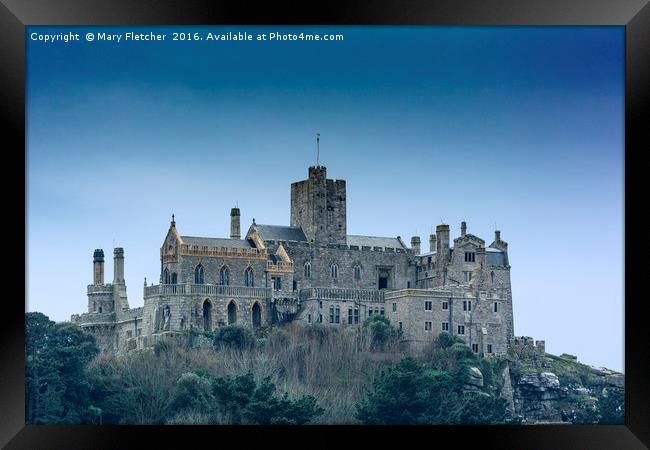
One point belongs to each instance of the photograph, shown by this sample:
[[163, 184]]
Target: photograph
[[341, 225], [294, 223]]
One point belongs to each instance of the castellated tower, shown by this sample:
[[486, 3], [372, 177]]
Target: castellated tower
[[318, 205]]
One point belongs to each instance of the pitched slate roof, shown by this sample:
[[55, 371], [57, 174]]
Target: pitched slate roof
[[373, 241], [495, 257], [216, 242], [280, 233]]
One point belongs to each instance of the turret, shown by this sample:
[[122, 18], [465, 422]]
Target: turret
[[98, 266], [415, 244], [118, 265], [235, 232], [432, 242], [442, 238]]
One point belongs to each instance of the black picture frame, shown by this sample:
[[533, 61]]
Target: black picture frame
[[15, 15]]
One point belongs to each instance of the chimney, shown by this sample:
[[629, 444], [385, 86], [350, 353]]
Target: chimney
[[432, 242], [234, 224], [118, 265], [98, 266], [497, 235], [415, 244], [463, 229], [442, 238]]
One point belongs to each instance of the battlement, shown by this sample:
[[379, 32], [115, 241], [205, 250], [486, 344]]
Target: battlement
[[525, 346]]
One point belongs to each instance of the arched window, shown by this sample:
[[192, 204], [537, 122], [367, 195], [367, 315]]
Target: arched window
[[232, 313], [224, 276], [357, 272], [492, 276], [307, 270], [207, 315], [166, 277], [198, 275], [174, 278], [257, 315], [248, 277], [334, 271]]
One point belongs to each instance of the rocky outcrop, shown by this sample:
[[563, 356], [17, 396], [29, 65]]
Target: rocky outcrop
[[548, 389]]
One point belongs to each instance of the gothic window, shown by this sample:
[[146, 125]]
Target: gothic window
[[166, 277], [207, 315], [198, 274], [257, 315], [307, 270], [357, 272], [248, 277], [232, 313], [224, 276], [174, 278], [334, 271]]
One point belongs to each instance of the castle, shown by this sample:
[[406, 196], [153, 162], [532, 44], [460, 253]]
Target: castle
[[311, 271]]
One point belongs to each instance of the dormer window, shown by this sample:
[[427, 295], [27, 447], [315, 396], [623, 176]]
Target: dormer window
[[470, 256]]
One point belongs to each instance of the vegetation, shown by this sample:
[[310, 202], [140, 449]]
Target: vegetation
[[57, 388], [274, 375]]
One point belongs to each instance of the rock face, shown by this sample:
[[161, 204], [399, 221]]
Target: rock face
[[475, 377], [547, 388]]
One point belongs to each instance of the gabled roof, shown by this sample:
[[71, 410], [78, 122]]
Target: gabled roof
[[216, 242], [280, 233], [373, 241]]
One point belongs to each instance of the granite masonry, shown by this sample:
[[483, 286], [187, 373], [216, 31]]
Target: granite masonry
[[311, 271]]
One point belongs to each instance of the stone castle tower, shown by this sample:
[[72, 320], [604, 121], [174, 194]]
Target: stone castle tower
[[318, 207]]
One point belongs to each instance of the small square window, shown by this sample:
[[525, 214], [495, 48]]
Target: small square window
[[445, 326], [427, 325], [489, 348], [475, 348], [467, 305], [470, 257], [461, 329], [394, 307], [428, 305], [445, 305]]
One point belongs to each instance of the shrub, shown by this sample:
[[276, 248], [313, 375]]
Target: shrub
[[381, 331], [234, 337]]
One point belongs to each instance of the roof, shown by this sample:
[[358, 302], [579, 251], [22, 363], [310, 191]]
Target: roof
[[280, 233], [216, 242], [495, 257], [373, 241]]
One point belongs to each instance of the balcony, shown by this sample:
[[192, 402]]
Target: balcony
[[363, 295], [279, 267], [207, 289]]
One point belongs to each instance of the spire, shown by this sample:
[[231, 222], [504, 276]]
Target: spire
[[317, 148], [173, 221]]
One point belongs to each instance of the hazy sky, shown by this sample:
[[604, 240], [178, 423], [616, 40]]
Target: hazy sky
[[518, 126]]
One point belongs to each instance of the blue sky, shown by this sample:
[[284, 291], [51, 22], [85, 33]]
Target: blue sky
[[518, 126]]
